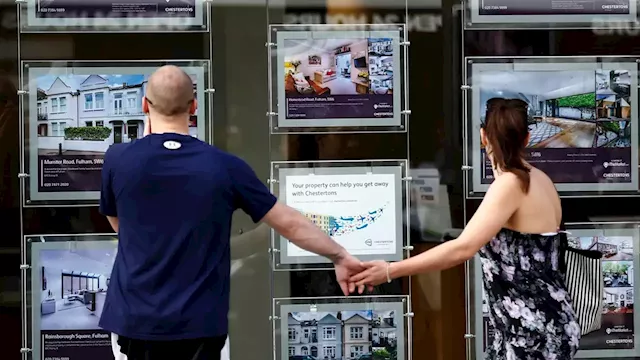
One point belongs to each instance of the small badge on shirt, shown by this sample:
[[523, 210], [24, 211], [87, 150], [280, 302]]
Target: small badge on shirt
[[172, 145]]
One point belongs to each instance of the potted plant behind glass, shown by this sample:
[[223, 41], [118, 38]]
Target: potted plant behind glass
[[295, 64]]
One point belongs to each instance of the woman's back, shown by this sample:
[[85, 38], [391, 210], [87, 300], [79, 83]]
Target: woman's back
[[540, 210]]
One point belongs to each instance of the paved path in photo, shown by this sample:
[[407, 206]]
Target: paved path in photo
[[575, 134], [542, 131]]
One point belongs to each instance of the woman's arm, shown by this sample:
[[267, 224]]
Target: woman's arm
[[498, 206]]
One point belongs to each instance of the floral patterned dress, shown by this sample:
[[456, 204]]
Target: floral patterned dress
[[530, 311]]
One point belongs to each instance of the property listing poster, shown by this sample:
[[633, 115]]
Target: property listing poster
[[351, 329], [582, 121], [361, 211], [618, 317], [550, 12], [76, 114], [375, 334], [128, 15], [554, 7], [338, 78], [69, 282], [114, 8], [616, 337]]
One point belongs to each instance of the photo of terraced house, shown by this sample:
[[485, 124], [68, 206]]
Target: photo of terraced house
[[343, 335], [567, 109], [85, 114]]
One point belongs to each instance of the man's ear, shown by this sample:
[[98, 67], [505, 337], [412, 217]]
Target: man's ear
[[194, 107], [145, 105]]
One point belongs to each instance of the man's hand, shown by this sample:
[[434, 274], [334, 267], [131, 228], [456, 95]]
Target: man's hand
[[347, 266]]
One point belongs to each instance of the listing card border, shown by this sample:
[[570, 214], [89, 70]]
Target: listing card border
[[37, 243], [477, 65], [310, 32], [31, 23], [559, 20], [284, 306], [34, 69], [280, 171]]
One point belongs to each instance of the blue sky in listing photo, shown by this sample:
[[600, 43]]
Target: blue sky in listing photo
[[74, 81]]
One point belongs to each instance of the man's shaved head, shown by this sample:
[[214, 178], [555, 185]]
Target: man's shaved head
[[170, 91]]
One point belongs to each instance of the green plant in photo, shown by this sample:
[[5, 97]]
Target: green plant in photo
[[613, 267], [381, 354], [578, 101], [90, 133]]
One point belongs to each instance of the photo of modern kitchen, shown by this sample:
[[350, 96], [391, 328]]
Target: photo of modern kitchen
[[74, 287]]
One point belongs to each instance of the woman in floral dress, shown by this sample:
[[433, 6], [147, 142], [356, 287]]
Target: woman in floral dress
[[515, 230]]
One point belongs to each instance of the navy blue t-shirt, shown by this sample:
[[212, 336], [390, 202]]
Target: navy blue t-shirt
[[174, 196]]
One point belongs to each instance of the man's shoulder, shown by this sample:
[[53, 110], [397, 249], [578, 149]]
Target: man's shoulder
[[226, 157], [116, 150]]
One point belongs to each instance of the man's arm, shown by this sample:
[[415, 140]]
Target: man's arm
[[253, 197], [114, 223], [299, 230]]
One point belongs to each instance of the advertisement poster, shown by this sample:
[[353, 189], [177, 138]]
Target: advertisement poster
[[361, 208], [552, 11], [75, 114], [69, 282], [343, 331], [338, 79], [582, 121], [616, 338], [112, 13]]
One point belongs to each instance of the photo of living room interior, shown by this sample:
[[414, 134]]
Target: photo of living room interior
[[323, 67], [567, 109], [74, 286]]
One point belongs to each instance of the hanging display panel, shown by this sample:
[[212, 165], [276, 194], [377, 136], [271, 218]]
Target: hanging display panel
[[342, 328], [328, 78], [68, 282], [516, 14], [582, 118], [73, 112], [361, 204], [112, 15], [616, 338]]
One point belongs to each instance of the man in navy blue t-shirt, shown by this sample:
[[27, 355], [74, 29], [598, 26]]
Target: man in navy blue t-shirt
[[171, 198]]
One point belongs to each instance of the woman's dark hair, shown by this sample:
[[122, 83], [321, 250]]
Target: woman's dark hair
[[506, 128]]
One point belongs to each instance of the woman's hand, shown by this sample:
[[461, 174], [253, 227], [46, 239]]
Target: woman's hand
[[375, 273]]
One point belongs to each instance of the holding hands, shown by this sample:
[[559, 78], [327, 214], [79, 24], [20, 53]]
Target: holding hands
[[353, 274], [374, 273]]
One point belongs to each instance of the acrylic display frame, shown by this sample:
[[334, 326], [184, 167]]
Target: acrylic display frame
[[30, 23], [33, 286], [473, 112], [399, 305], [279, 124], [30, 173], [282, 260], [478, 324], [473, 20]]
